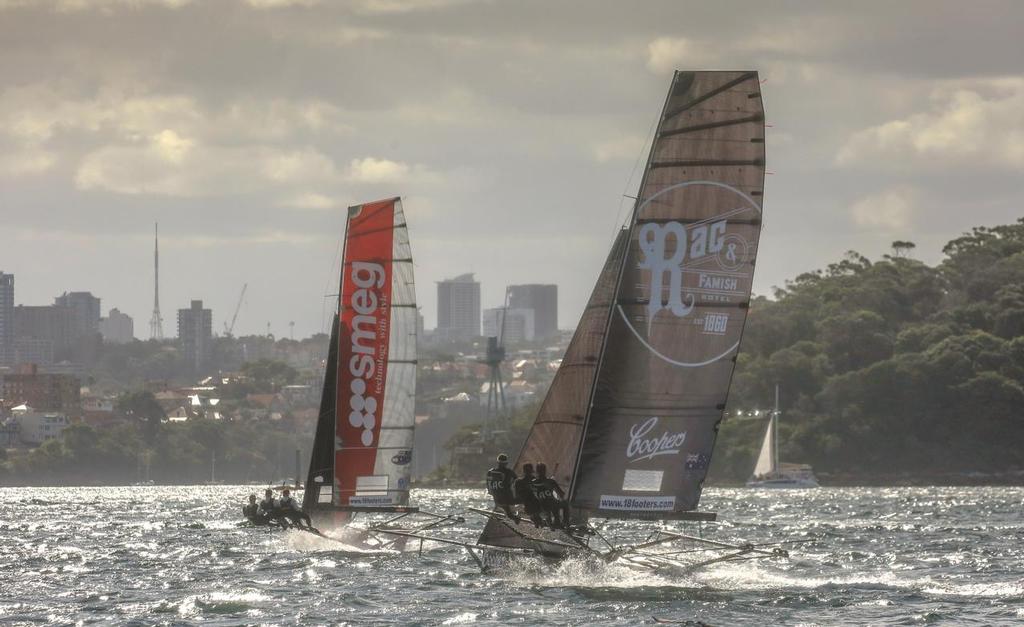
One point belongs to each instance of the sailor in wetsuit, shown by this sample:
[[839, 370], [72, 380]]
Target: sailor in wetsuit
[[552, 499], [523, 491], [499, 486], [291, 510], [253, 514], [270, 511]]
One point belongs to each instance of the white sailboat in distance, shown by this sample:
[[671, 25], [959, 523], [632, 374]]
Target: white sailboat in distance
[[768, 472]]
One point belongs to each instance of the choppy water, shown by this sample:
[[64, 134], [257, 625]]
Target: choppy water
[[174, 555]]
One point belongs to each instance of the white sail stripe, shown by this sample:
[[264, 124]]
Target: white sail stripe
[[398, 414]]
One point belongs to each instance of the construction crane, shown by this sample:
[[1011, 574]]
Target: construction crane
[[229, 328]]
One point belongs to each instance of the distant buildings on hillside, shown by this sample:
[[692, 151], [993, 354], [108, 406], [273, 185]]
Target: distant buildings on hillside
[[458, 308], [532, 312], [195, 334], [117, 328], [516, 328], [6, 319], [542, 299]]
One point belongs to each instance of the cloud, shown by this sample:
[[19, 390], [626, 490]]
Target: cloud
[[27, 162], [627, 148], [665, 54], [170, 165], [404, 6], [890, 210], [310, 200], [371, 170], [970, 127], [39, 112], [278, 4]]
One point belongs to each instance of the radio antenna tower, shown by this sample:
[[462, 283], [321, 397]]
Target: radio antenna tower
[[156, 323]]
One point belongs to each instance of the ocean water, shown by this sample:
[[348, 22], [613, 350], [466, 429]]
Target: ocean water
[[175, 555]]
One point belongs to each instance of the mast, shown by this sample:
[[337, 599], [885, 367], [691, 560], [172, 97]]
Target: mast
[[775, 432]]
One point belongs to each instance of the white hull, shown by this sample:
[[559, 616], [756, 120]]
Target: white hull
[[783, 483]]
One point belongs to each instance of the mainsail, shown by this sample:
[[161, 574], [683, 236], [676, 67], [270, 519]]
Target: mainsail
[[680, 305], [555, 435], [363, 447]]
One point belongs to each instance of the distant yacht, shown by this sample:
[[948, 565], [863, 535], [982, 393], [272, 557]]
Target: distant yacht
[[768, 472]]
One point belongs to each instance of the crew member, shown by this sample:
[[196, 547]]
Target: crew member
[[291, 510], [253, 514], [523, 491], [551, 497], [499, 486], [270, 510]]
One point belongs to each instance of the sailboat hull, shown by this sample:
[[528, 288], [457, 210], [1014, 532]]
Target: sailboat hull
[[784, 483]]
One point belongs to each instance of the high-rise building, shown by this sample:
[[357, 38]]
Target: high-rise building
[[543, 300], [117, 328], [85, 313], [458, 307], [29, 350], [195, 334], [51, 323], [6, 319], [518, 325]]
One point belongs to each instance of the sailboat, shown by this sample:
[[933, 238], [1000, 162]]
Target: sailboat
[[213, 469], [362, 449], [629, 422], [768, 472]]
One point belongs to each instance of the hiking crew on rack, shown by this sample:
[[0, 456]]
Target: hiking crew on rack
[[270, 510], [253, 514], [523, 491], [291, 510], [552, 499], [500, 480]]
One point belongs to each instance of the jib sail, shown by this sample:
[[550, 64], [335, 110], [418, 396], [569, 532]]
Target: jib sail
[[680, 304], [555, 435], [363, 447]]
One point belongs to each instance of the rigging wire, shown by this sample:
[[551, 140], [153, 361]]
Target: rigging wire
[[648, 139], [330, 280]]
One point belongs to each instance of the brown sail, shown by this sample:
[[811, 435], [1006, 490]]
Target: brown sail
[[555, 436], [680, 304]]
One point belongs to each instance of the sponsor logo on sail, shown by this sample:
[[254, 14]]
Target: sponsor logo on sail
[[697, 461], [705, 262], [642, 447], [716, 323], [401, 458], [366, 301], [638, 503]]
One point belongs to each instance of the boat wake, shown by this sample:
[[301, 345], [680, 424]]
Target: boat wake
[[585, 572], [346, 541]]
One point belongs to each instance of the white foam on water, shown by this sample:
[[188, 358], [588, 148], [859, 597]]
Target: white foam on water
[[303, 541], [585, 573], [987, 590], [756, 577], [248, 596], [465, 618]]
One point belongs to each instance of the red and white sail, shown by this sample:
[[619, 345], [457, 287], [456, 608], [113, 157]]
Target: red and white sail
[[373, 369]]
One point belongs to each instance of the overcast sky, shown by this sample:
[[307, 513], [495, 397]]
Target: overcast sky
[[511, 129]]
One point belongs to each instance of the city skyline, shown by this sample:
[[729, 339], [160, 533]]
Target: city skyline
[[880, 130]]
